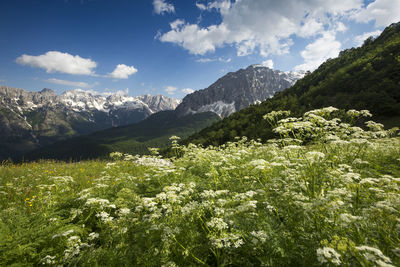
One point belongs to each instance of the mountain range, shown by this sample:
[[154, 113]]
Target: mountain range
[[29, 120], [365, 77], [232, 92]]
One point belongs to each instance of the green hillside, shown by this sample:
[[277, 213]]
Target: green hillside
[[367, 77], [155, 131]]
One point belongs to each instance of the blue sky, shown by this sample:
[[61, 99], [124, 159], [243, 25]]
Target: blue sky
[[172, 47]]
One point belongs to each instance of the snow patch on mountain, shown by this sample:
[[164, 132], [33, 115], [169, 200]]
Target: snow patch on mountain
[[221, 108]]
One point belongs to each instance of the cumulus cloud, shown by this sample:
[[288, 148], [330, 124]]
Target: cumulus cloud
[[161, 7], [70, 83], [264, 26], [187, 90], [122, 71], [384, 12], [170, 90], [55, 61], [359, 39], [195, 39], [268, 63], [320, 50]]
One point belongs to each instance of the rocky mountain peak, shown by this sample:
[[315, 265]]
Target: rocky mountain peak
[[47, 91], [237, 90]]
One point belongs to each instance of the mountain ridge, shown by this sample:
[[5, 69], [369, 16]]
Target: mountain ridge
[[32, 119], [237, 90]]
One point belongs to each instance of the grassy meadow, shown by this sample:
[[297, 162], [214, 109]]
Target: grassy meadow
[[323, 193]]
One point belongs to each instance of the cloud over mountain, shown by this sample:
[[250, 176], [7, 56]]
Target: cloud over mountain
[[122, 71]]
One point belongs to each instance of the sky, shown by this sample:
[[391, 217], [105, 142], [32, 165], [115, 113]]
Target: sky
[[173, 47]]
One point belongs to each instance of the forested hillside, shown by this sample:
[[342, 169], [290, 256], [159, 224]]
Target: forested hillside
[[367, 77], [134, 139]]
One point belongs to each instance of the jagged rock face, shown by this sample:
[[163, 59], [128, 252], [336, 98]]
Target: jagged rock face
[[237, 90], [32, 119]]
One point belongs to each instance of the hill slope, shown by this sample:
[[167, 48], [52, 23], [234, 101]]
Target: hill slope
[[367, 77], [155, 131]]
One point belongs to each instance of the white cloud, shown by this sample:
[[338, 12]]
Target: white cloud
[[195, 39], [268, 63], [320, 50], [359, 39], [161, 7], [222, 5], [201, 6], [310, 28], [340, 27], [70, 83], [264, 26], [205, 60], [122, 71], [170, 90], [55, 61], [175, 24], [187, 90], [384, 12], [110, 91]]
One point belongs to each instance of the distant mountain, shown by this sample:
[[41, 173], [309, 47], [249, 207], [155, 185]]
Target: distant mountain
[[366, 77], [198, 110], [29, 120], [237, 90]]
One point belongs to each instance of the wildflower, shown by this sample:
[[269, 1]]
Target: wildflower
[[327, 254], [68, 232], [217, 223], [124, 211], [50, 260], [260, 236], [93, 236], [227, 241], [258, 163], [116, 155], [104, 216], [314, 156], [374, 255]]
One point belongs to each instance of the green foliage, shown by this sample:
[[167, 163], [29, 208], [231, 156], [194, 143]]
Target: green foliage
[[334, 201], [155, 131], [360, 78]]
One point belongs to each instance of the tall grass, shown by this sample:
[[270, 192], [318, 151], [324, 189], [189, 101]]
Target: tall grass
[[324, 193]]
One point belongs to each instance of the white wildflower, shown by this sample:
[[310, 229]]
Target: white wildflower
[[374, 255], [328, 255], [93, 235], [217, 223], [104, 216]]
